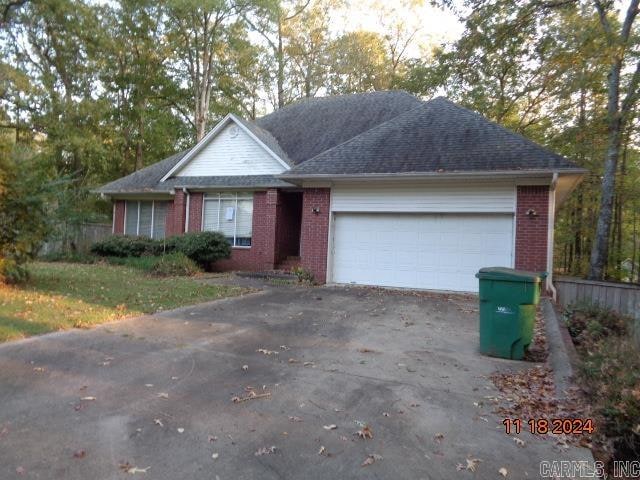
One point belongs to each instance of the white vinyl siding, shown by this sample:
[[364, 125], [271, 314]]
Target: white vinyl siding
[[145, 218], [427, 197], [231, 214], [416, 250], [231, 152]]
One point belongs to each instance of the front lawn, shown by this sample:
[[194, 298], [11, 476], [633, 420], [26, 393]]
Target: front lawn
[[66, 295]]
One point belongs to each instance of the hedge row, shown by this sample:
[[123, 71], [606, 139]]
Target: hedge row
[[204, 248]]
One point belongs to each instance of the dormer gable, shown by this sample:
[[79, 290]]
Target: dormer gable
[[233, 147]]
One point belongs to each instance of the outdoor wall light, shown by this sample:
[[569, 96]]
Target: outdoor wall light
[[531, 213], [316, 210]]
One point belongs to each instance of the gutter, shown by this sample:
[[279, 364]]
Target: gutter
[[550, 236], [430, 175]]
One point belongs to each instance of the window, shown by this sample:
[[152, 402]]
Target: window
[[231, 214], [145, 219]]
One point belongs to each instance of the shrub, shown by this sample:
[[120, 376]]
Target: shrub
[[174, 264], [304, 275], [204, 248], [24, 220], [126, 246], [591, 323], [171, 264], [610, 370]]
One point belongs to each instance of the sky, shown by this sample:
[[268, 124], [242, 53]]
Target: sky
[[434, 25]]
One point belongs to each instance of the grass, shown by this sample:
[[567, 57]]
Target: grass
[[60, 296]]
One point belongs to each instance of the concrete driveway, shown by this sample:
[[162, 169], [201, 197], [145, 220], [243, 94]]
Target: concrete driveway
[[157, 392]]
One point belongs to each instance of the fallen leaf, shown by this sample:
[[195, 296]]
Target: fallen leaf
[[134, 470], [308, 364], [180, 430], [438, 437], [293, 360], [267, 352], [503, 471], [365, 433], [79, 454], [245, 367], [163, 395], [88, 399], [322, 450], [157, 421], [295, 419], [213, 438], [330, 427], [284, 347], [21, 471], [519, 442], [39, 369], [472, 464], [371, 459], [265, 451], [385, 414], [215, 455]]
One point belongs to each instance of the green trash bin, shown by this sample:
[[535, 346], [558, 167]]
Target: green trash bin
[[508, 300]]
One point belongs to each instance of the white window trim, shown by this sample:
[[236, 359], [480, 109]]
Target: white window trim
[[218, 197], [153, 215]]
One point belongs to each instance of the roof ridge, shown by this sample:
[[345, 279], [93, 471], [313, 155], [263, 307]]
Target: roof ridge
[[375, 127]]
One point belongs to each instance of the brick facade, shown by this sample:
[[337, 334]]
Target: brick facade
[[118, 217], [261, 254], [314, 233], [196, 200], [532, 230]]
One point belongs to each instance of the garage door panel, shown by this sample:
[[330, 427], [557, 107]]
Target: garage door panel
[[431, 251]]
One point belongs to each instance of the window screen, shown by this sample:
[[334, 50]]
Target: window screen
[[145, 218], [131, 220], [231, 214]]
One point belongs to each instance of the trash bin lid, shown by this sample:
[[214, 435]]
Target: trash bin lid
[[510, 275]]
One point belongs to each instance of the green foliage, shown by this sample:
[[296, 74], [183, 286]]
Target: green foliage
[[126, 246], [304, 275], [610, 371], [23, 216], [169, 265], [204, 248]]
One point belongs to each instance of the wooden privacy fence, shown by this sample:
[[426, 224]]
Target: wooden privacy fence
[[621, 297], [76, 238]]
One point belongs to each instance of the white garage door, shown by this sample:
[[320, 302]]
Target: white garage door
[[431, 251]]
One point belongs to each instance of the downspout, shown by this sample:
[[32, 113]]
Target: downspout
[[186, 214], [550, 236]]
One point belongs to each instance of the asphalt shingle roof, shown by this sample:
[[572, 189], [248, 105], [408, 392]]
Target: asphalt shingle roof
[[436, 136], [309, 127], [371, 133]]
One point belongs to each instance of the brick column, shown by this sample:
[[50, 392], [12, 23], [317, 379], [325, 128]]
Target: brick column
[[118, 217], [271, 228], [532, 230], [177, 214], [314, 233], [195, 211]]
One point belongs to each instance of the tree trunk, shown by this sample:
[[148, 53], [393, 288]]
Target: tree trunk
[[600, 250]]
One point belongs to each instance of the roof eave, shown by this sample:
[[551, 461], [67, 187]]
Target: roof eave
[[293, 177]]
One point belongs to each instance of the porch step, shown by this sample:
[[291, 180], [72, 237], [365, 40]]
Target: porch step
[[289, 264], [269, 274]]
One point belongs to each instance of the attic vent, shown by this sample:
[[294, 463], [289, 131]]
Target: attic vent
[[233, 131]]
